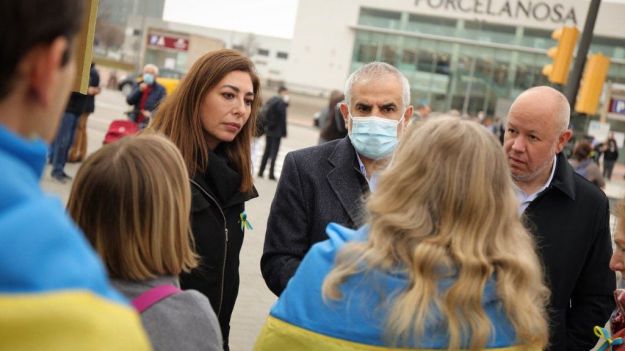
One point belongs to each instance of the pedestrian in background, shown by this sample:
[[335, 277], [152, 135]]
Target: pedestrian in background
[[146, 96], [211, 117], [434, 268], [610, 156], [333, 125], [59, 150], [422, 112], [326, 183], [78, 151], [142, 183], [584, 165], [568, 216], [274, 123], [54, 292]]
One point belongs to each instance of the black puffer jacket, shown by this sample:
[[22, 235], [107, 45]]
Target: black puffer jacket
[[215, 220]]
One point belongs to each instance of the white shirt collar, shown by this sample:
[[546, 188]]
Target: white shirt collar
[[526, 199]]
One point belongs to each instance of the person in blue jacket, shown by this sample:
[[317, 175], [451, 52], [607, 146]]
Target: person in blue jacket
[[54, 293], [435, 267]]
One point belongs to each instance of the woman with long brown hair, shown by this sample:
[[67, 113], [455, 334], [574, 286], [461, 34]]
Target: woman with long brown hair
[[443, 263], [211, 118]]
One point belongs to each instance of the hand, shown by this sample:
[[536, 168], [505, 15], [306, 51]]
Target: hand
[[146, 113], [93, 90], [142, 86]]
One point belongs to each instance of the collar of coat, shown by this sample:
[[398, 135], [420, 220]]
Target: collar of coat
[[563, 179], [348, 184]]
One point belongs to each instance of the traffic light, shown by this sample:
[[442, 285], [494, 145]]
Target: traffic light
[[561, 55], [595, 71]]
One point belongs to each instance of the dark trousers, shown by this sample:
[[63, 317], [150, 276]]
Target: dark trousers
[[272, 145], [62, 143], [608, 167]]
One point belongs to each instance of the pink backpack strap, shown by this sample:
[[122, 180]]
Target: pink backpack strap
[[152, 296]]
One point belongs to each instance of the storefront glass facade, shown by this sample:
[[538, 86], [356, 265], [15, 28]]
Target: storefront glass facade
[[448, 60]]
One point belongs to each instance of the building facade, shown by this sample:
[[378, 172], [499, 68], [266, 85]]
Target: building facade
[[178, 45], [469, 55]]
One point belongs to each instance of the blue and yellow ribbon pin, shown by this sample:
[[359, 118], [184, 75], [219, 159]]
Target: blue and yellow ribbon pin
[[603, 333], [244, 222]]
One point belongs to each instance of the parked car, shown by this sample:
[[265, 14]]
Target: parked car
[[169, 78]]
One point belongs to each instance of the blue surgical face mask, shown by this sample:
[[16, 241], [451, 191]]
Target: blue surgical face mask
[[374, 137], [148, 78]]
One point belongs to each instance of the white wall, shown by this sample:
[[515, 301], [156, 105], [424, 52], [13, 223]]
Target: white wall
[[322, 45]]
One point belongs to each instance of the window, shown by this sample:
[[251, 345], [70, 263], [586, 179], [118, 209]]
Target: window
[[263, 52], [282, 55], [379, 18], [238, 48]]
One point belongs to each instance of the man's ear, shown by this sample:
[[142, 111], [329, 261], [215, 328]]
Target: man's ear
[[345, 112], [408, 115], [43, 73], [563, 139]]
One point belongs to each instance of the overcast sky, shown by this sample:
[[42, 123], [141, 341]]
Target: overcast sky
[[268, 17]]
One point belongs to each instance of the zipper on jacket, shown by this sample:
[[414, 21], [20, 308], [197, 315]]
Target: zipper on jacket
[[223, 266]]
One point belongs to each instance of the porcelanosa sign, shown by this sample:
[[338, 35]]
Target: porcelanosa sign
[[539, 11]]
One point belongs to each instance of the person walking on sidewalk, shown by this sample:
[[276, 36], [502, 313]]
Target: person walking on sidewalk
[[78, 150], [59, 150], [275, 129], [610, 155]]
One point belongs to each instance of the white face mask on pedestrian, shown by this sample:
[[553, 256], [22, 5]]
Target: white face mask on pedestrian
[[374, 137]]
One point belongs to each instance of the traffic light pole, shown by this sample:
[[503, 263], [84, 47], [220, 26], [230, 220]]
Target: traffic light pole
[[582, 52]]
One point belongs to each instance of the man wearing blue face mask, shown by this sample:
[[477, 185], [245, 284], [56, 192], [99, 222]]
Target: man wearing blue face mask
[[326, 183], [146, 96]]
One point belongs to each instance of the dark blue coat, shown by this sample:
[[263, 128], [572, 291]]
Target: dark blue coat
[[157, 94], [318, 185]]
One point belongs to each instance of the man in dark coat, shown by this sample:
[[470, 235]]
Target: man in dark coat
[[146, 97], [568, 216], [274, 124], [326, 183]]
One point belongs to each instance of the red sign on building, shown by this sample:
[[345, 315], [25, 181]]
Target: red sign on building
[[168, 42]]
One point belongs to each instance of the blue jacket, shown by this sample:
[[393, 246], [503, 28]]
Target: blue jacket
[[301, 317], [50, 278]]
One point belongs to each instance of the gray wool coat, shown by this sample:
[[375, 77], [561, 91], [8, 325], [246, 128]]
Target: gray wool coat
[[184, 321], [318, 185]]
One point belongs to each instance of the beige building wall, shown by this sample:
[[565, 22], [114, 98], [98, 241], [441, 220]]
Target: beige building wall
[[199, 45]]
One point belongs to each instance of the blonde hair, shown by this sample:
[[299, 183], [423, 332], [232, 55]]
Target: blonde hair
[[132, 200], [178, 117], [446, 206]]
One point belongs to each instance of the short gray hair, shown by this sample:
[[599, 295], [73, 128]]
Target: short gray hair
[[374, 70]]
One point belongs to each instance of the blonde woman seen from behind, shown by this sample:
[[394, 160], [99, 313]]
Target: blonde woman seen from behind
[[132, 200], [443, 263]]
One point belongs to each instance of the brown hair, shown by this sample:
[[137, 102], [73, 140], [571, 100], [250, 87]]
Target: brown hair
[[178, 116], [29, 23], [582, 150], [133, 200]]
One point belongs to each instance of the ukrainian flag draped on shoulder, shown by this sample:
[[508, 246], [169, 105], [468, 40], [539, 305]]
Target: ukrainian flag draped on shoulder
[[54, 294], [301, 320]]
